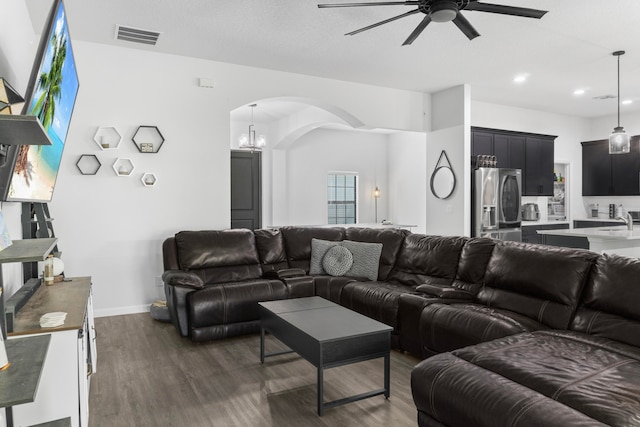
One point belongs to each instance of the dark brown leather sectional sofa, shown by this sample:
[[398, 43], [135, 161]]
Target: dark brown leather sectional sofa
[[512, 334]]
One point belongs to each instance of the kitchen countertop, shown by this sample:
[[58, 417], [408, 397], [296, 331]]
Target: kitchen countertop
[[544, 222], [618, 232], [603, 219]]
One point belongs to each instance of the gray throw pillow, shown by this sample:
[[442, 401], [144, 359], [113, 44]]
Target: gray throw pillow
[[366, 259], [318, 249], [337, 261]]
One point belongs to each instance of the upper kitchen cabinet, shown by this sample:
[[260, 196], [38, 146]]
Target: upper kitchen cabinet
[[538, 171], [532, 153], [605, 174]]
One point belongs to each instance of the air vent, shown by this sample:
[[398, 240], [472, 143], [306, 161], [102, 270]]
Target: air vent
[[136, 35], [605, 97]]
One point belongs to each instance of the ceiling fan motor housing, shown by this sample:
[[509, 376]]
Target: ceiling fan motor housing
[[443, 10]]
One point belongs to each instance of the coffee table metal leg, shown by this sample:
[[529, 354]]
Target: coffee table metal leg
[[320, 391], [387, 374], [261, 344]]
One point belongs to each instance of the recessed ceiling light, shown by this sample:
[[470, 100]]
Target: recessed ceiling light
[[627, 102], [579, 92], [521, 78]]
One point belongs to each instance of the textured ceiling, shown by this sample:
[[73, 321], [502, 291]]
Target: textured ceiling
[[568, 48]]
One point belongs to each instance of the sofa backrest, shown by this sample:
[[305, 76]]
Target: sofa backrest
[[541, 282], [472, 266], [610, 304], [297, 242], [391, 240], [427, 259], [270, 245], [218, 256]]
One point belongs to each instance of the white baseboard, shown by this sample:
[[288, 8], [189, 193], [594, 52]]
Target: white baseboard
[[119, 311]]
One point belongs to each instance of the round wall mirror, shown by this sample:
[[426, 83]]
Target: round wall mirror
[[443, 182]]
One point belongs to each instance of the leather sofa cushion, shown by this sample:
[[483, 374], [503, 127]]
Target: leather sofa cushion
[[391, 240], [452, 391], [233, 302], [378, 300], [610, 306], [422, 256], [213, 248], [595, 376], [448, 327], [297, 242], [472, 266], [541, 282], [270, 246], [330, 287]]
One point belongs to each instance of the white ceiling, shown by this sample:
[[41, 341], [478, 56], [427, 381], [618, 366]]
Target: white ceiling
[[569, 48]]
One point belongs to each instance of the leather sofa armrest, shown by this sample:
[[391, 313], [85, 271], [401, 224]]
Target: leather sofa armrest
[[285, 273], [445, 292], [182, 278]]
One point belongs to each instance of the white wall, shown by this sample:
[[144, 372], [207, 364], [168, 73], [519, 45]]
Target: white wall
[[110, 227], [321, 151], [450, 132], [407, 180]]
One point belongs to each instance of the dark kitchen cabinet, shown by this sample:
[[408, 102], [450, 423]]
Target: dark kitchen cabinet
[[530, 232], [538, 172], [605, 174], [532, 153]]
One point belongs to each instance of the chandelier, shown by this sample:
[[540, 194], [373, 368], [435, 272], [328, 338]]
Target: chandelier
[[249, 140]]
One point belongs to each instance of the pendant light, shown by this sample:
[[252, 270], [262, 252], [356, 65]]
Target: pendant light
[[249, 140], [619, 141]]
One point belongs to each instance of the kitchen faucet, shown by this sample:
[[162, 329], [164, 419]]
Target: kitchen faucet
[[627, 219]]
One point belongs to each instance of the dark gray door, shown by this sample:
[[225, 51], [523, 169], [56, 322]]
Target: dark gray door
[[246, 185]]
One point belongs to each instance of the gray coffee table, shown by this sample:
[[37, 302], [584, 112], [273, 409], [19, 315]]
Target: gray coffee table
[[326, 335]]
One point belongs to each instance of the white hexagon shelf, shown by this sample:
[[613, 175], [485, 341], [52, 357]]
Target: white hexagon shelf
[[88, 164], [123, 167], [107, 138], [149, 179], [148, 139]]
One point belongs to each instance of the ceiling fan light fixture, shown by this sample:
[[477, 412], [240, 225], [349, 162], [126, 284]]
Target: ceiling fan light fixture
[[444, 11]]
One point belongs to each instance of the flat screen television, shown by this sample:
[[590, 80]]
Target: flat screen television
[[30, 171]]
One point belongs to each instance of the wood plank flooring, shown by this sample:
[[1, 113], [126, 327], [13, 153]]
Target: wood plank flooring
[[150, 376]]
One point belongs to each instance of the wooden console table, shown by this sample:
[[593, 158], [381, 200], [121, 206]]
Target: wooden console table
[[64, 388]]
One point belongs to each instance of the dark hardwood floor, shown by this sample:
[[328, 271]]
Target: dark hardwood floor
[[149, 376]]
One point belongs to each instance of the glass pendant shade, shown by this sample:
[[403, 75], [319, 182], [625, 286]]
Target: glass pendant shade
[[619, 141]]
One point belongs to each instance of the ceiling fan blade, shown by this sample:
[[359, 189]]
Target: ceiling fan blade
[[386, 21], [465, 26], [419, 29], [505, 10], [380, 3]]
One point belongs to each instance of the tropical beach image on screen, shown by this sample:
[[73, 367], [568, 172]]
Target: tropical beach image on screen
[[53, 98]]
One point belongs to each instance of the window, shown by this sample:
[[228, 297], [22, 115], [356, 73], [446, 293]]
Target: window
[[341, 198]]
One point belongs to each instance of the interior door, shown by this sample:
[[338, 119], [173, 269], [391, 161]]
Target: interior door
[[246, 189]]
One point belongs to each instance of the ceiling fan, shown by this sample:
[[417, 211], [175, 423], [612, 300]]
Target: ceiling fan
[[441, 11]]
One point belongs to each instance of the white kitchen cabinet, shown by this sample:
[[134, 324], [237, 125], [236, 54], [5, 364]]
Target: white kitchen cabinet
[[71, 359]]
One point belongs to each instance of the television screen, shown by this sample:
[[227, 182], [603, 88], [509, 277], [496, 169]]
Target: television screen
[[51, 95]]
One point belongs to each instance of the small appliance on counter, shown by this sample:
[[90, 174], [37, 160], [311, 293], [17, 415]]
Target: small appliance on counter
[[530, 212]]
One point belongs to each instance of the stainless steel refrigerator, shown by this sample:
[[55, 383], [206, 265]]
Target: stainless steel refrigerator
[[497, 198]]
